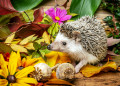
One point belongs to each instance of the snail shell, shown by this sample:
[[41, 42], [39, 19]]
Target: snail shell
[[65, 71]]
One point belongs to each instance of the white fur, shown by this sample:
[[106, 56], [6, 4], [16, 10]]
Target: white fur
[[74, 49]]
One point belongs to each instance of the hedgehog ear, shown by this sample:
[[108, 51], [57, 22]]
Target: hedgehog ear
[[76, 35]]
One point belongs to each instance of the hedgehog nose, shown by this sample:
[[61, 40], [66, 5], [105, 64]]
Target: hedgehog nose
[[49, 47]]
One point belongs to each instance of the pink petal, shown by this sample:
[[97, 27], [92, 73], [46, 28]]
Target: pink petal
[[60, 22], [66, 17], [58, 11], [51, 12], [63, 13]]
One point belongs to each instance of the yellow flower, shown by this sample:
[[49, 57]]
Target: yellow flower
[[29, 61], [10, 76]]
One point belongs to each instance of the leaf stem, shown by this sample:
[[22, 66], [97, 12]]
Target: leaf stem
[[27, 16]]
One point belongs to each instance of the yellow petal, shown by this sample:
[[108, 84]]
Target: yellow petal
[[19, 62], [27, 80], [3, 82], [90, 70], [19, 84], [23, 62], [31, 61], [24, 72], [12, 65], [1, 72], [10, 38], [3, 66]]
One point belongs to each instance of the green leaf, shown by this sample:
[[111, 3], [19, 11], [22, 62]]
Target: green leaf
[[43, 52], [30, 14], [35, 55], [53, 29], [36, 45], [108, 18], [22, 5], [5, 48], [84, 7]]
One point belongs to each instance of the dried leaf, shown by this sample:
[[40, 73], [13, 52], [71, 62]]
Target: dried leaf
[[29, 46], [10, 38], [53, 76], [46, 37], [29, 29], [111, 53], [5, 48], [56, 57], [6, 7], [90, 70], [116, 59], [65, 4], [38, 15], [111, 41], [18, 48], [15, 23], [58, 82], [26, 40]]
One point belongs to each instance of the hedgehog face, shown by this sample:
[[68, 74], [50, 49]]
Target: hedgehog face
[[64, 44]]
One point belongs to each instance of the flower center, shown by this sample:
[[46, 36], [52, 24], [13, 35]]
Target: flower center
[[57, 18], [11, 79]]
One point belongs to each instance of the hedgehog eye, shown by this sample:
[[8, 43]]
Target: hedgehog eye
[[64, 43]]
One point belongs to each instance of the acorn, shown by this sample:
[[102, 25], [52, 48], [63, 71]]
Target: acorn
[[42, 72], [65, 71]]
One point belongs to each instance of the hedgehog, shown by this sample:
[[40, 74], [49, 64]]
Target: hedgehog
[[84, 40]]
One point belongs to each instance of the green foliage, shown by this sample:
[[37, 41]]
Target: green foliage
[[109, 21], [53, 29], [40, 50], [22, 5], [112, 6], [84, 7], [115, 27]]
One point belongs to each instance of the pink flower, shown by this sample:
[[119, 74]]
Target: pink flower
[[58, 15]]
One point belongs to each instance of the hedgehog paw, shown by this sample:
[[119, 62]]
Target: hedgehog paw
[[77, 69]]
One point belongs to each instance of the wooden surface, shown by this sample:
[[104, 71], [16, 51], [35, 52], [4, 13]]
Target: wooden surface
[[102, 79]]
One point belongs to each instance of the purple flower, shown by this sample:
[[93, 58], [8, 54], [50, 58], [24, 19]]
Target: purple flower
[[58, 15]]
